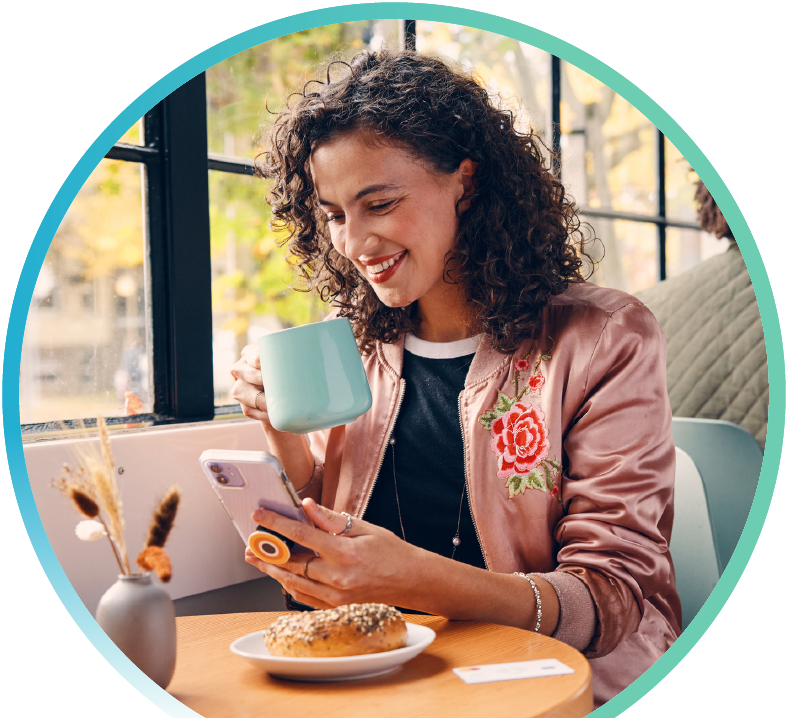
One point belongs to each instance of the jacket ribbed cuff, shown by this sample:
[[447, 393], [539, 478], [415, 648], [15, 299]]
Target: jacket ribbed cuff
[[577, 622]]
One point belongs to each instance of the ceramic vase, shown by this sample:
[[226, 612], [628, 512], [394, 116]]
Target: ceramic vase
[[139, 617]]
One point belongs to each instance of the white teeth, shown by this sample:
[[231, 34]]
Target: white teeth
[[385, 264]]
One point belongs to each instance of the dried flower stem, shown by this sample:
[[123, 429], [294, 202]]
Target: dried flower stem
[[112, 543], [106, 452], [103, 475]]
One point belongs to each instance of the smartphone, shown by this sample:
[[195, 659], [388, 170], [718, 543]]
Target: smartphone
[[247, 480]]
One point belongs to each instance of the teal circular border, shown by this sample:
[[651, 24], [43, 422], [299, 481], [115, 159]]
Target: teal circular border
[[417, 11]]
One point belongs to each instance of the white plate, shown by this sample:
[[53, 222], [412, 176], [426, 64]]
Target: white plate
[[253, 649]]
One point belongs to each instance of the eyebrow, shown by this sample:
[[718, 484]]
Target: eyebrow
[[364, 192]]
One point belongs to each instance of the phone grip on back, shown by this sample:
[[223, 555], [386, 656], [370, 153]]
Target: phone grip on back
[[269, 547]]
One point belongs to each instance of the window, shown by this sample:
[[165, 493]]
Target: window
[[85, 343], [164, 266]]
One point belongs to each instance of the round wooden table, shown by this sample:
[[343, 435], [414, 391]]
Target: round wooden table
[[215, 683]]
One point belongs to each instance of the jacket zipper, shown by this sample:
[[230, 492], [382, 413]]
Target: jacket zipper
[[385, 446], [467, 488]]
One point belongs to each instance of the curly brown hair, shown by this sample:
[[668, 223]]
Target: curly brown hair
[[710, 215], [520, 239]]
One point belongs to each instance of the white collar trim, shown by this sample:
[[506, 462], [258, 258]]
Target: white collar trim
[[442, 350]]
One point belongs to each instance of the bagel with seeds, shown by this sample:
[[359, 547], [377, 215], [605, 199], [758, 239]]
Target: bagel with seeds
[[353, 630]]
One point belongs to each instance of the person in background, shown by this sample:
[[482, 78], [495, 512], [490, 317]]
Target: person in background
[[517, 464], [716, 350]]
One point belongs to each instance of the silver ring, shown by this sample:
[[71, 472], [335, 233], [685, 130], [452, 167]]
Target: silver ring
[[255, 401], [306, 565], [349, 524]]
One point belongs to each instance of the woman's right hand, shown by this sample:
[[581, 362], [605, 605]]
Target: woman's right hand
[[248, 387]]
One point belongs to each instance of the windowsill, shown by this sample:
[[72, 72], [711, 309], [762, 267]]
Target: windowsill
[[71, 429]]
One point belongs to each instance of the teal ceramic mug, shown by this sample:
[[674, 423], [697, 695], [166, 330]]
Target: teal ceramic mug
[[313, 377]]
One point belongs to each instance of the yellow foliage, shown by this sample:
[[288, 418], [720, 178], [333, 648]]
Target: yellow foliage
[[132, 136], [239, 325], [587, 88], [103, 227], [245, 303]]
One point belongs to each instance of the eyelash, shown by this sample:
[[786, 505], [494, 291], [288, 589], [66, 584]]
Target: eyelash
[[376, 207]]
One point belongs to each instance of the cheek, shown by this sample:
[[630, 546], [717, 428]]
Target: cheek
[[440, 222], [337, 241]]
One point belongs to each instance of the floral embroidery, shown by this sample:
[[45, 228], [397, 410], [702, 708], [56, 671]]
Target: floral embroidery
[[519, 435], [535, 383], [519, 439], [522, 364]]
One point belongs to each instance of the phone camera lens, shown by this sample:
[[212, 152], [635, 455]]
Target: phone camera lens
[[216, 469], [222, 479]]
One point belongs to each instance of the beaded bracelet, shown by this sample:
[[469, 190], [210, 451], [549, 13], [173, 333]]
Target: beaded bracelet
[[538, 599]]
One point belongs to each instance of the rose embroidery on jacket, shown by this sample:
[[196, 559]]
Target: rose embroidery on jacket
[[519, 439], [519, 435], [535, 383]]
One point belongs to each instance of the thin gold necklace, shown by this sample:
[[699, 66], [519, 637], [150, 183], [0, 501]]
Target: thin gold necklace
[[456, 540]]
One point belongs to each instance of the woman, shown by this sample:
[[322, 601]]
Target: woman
[[526, 475]]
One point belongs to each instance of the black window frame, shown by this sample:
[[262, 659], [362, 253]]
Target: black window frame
[[177, 246]]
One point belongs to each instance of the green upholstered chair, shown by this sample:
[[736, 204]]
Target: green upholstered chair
[[692, 544], [729, 460]]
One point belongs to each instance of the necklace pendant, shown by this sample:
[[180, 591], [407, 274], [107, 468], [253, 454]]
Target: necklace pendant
[[456, 541]]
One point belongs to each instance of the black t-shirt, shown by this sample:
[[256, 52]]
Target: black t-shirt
[[427, 457]]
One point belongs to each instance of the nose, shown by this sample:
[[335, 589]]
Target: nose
[[359, 237]]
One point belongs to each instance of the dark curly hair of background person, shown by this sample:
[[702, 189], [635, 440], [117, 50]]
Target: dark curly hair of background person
[[710, 215], [520, 240]]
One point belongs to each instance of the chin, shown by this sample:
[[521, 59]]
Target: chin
[[397, 305], [395, 302]]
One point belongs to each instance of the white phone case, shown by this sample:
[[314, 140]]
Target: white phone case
[[247, 480]]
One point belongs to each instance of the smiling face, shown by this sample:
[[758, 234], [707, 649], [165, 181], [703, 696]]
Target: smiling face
[[392, 216]]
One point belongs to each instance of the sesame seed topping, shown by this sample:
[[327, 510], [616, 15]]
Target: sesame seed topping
[[308, 625]]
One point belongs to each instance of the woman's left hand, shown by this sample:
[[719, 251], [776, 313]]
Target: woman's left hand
[[368, 564]]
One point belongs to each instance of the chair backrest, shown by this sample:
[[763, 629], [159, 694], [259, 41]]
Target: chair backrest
[[692, 542], [729, 460]]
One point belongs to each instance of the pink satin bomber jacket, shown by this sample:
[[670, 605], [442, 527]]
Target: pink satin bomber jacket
[[594, 419]]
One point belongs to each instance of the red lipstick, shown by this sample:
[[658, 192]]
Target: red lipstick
[[377, 260], [386, 274]]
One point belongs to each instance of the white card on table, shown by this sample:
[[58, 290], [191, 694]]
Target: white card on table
[[511, 671]]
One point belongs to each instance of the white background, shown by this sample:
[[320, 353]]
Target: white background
[[70, 68]]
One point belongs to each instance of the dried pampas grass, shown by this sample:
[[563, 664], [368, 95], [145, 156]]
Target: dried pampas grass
[[76, 486], [80, 487], [93, 489], [100, 467]]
